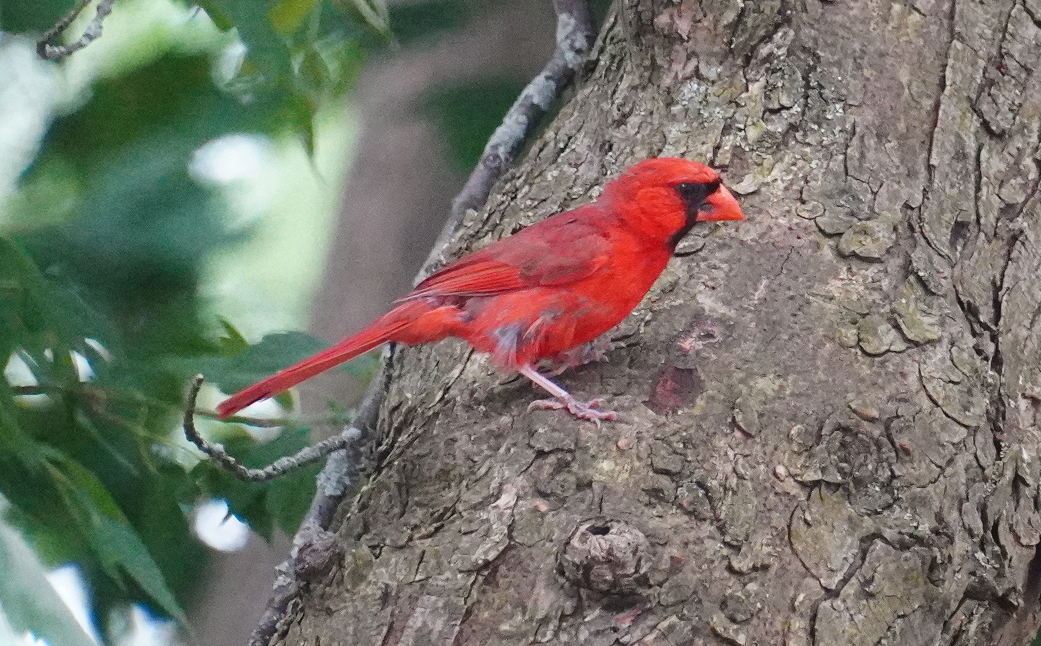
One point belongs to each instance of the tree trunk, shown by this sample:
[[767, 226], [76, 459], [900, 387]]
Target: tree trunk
[[830, 413]]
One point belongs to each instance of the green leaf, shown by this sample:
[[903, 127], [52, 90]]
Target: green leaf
[[110, 535], [28, 599], [298, 111], [287, 16], [36, 312], [84, 482], [375, 13], [345, 57], [233, 342], [109, 236], [315, 77], [118, 543], [264, 46], [140, 227], [282, 68]]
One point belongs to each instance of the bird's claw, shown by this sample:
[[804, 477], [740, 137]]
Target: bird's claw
[[581, 410]]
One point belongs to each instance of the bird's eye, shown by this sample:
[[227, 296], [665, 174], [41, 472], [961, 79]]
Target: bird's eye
[[694, 193]]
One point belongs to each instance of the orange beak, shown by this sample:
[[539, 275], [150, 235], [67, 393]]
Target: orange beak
[[721, 205]]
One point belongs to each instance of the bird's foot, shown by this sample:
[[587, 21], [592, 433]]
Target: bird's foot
[[581, 410], [563, 399]]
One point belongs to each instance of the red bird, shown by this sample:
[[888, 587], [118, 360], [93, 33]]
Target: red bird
[[547, 289]]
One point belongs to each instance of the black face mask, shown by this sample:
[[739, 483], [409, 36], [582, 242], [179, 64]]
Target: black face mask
[[694, 195]]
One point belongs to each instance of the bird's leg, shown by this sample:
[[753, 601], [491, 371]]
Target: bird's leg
[[564, 400], [595, 350]]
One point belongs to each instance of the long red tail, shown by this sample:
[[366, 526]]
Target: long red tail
[[378, 333]]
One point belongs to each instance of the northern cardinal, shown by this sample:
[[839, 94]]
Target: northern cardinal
[[547, 289]]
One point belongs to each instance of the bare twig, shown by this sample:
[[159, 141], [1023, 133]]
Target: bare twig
[[57, 52], [279, 467]]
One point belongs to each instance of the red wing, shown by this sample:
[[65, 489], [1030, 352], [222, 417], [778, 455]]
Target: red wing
[[560, 250]]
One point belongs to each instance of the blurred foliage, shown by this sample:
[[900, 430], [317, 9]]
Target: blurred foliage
[[101, 325], [27, 16], [100, 266], [102, 252], [468, 113], [417, 22]]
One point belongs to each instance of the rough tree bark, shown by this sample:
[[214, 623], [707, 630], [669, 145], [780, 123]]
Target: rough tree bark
[[830, 413]]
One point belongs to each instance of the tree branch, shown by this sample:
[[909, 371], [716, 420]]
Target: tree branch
[[57, 52], [279, 467]]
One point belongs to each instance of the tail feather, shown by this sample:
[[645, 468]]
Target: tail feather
[[371, 337]]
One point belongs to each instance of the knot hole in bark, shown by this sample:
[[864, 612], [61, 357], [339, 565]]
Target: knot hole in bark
[[607, 556]]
